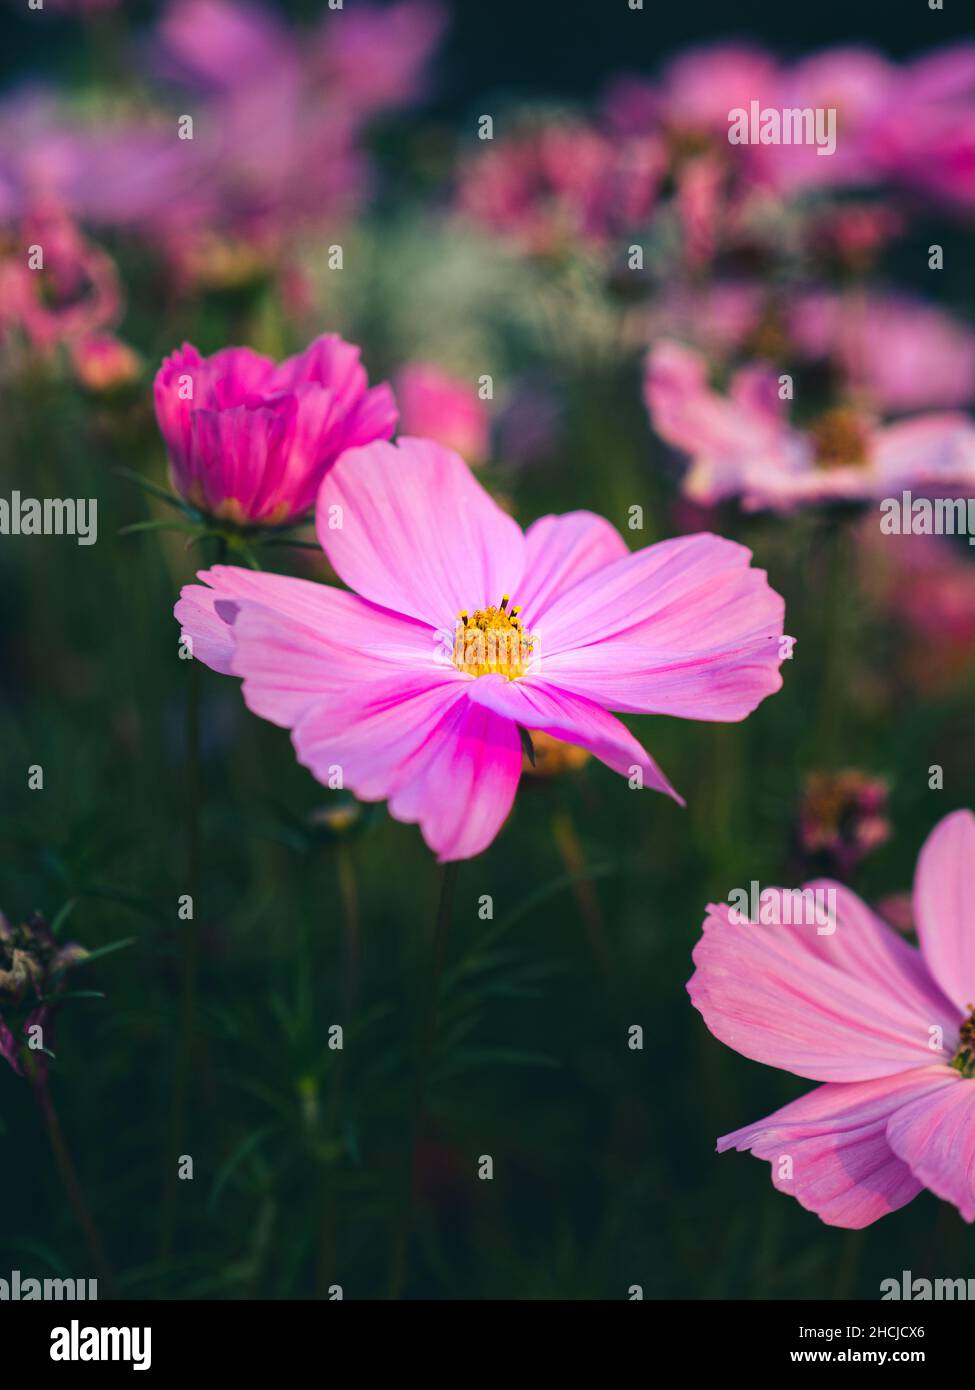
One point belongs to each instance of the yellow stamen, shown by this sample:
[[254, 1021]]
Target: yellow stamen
[[492, 641]]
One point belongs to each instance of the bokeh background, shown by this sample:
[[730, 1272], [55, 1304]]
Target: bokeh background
[[604, 1163]]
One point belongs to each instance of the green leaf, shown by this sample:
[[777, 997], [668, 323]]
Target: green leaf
[[100, 951], [227, 1169]]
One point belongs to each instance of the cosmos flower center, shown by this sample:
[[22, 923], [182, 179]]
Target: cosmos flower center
[[839, 439], [964, 1058], [492, 641]]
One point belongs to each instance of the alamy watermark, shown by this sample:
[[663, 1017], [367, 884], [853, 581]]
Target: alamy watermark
[[792, 125], [924, 516], [787, 907], [926, 1290], [18, 1289], [50, 516]]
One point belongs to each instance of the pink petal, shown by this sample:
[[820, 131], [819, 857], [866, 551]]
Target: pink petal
[[944, 906], [464, 788], [561, 550], [416, 533], [341, 635], [935, 1136], [536, 705], [685, 627], [786, 995], [440, 761], [842, 1165]]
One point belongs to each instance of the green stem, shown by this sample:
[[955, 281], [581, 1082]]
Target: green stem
[[190, 966], [349, 894], [72, 1183], [428, 1031]]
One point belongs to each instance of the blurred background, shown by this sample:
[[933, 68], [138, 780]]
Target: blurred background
[[316, 129]]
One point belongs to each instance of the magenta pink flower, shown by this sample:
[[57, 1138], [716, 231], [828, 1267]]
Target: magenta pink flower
[[890, 1030], [249, 440], [742, 444], [412, 688], [435, 405]]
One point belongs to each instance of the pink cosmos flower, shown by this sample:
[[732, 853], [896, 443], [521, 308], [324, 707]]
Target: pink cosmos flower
[[561, 183], [889, 1029], [436, 405], [73, 291], [103, 362], [249, 440], [898, 352], [742, 443], [413, 687]]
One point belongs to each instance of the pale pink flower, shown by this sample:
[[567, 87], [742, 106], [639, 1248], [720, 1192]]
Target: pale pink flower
[[249, 440], [413, 687], [435, 405], [742, 444], [889, 1029]]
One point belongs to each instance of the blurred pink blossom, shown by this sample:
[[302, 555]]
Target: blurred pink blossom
[[742, 444], [900, 353], [560, 183], [439, 406], [57, 286]]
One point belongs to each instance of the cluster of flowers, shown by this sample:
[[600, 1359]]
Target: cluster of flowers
[[770, 385], [251, 138]]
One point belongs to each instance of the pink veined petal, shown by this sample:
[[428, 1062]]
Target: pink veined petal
[[374, 417], [935, 1136], [441, 762], [685, 627], [865, 948], [290, 666], [409, 527], [463, 790], [331, 635], [536, 705], [764, 991], [561, 550], [328, 361], [233, 450], [841, 1164], [944, 906]]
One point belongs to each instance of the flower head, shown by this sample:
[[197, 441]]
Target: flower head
[[842, 818], [889, 1029], [249, 440], [743, 444], [32, 967], [436, 405], [461, 628]]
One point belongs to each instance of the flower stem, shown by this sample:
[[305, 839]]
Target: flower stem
[[72, 1183], [349, 895], [190, 966], [428, 1031]]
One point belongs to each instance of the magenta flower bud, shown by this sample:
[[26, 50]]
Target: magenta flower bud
[[249, 440]]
